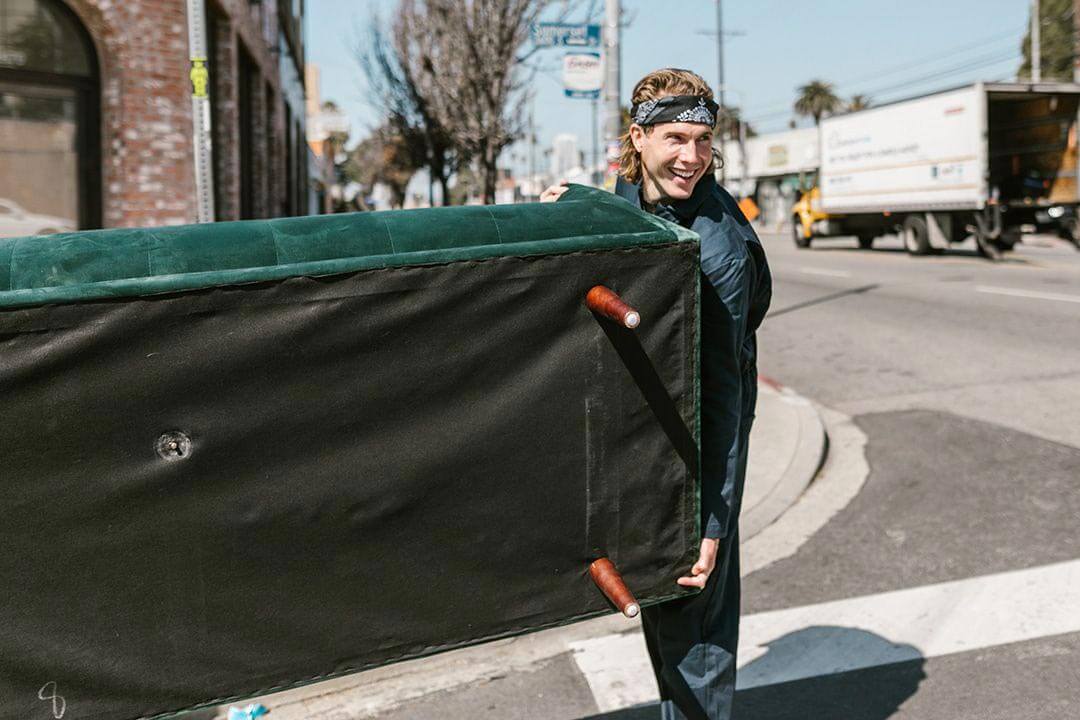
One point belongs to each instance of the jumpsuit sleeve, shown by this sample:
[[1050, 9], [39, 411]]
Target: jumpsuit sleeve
[[725, 306]]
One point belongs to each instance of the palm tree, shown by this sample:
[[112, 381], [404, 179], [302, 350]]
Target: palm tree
[[817, 98], [859, 102]]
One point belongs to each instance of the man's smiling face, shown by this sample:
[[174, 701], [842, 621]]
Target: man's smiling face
[[674, 156]]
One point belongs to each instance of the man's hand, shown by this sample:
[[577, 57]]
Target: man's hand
[[705, 563], [554, 192]]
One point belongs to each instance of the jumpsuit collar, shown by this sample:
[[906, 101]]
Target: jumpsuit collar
[[681, 211]]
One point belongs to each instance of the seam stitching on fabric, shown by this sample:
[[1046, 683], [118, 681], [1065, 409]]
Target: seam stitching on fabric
[[277, 249], [498, 233], [389, 236], [11, 265]]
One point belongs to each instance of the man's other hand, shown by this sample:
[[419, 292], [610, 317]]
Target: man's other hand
[[554, 192], [705, 563]]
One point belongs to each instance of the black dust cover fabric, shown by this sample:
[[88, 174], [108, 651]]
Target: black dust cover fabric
[[213, 494]]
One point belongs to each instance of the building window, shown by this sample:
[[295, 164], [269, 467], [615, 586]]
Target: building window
[[49, 121], [290, 164], [247, 82], [271, 168]]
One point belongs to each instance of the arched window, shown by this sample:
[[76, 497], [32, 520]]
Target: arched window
[[49, 120]]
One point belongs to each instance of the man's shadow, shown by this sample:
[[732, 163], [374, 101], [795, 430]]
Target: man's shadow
[[801, 677]]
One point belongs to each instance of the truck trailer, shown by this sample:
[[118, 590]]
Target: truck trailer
[[992, 160]]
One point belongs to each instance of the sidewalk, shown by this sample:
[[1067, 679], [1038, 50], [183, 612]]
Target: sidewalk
[[787, 447], [599, 663]]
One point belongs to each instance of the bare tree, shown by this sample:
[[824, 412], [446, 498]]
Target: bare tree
[[392, 59], [476, 67]]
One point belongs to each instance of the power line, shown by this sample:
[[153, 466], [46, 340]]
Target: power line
[[955, 71], [909, 66], [968, 66], [849, 84]]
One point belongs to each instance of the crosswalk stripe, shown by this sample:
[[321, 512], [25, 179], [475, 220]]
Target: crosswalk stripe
[[862, 632]]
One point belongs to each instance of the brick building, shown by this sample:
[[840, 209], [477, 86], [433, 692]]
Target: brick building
[[96, 112]]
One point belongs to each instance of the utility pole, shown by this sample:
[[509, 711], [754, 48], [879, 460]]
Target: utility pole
[[612, 63], [1036, 45], [742, 156], [200, 111], [720, 79], [595, 173]]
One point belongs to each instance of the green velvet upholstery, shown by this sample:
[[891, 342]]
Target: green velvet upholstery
[[133, 262]]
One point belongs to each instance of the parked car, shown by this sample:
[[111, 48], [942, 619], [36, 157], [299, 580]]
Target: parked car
[[16, 222]]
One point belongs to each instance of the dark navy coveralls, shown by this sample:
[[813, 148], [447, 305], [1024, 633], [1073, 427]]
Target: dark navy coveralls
[[692, 641]]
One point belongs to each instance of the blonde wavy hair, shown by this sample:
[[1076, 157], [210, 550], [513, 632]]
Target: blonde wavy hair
[[655, 85]]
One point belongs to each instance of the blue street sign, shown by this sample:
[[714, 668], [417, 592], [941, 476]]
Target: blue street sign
[[547, 34]]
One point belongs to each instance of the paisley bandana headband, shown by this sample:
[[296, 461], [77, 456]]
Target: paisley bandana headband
[[676, 108]]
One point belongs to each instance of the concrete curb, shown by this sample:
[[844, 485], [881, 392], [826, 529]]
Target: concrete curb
[[795, 424], [839, 480]]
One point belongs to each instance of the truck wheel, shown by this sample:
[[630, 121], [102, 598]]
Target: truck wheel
[[987, 248], [801, 241], [916, 235], [1008, 241], [1070, 230], [866, 242]]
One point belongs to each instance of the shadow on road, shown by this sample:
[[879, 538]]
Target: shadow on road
[[824, 299], [890, 674]]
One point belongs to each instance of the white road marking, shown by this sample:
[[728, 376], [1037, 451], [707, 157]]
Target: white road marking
[[823, 271], [927, 621], [1031, 294], [617, 669], [862, 632]]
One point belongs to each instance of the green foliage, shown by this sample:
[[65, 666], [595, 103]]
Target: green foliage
[[385, 156], [859, 102], [816, 99], [730, 118], [1056, 41]]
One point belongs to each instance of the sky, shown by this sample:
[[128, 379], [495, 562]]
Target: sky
[[882, 48]]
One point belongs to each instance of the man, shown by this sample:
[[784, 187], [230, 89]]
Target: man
[[667, 168]]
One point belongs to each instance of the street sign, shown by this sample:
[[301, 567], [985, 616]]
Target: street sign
[[565, 35], [583, 75]]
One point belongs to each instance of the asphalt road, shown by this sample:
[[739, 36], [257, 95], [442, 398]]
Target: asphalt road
[[965, 377]]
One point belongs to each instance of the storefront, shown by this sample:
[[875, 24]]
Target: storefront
[[775, 170]]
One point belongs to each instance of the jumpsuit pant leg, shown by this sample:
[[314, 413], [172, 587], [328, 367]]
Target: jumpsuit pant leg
[[693, 641]]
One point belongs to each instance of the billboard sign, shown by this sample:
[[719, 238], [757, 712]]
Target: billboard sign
[[583, 75]]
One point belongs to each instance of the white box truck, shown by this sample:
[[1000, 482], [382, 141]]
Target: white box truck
[[990, 160]]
